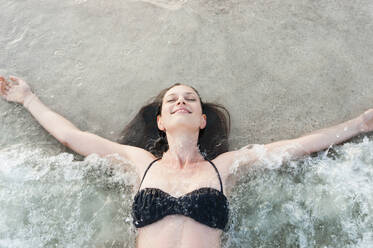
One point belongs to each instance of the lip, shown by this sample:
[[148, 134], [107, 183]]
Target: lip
[[181, 109]]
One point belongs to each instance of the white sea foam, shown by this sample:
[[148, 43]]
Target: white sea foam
[[54, 201], [323, 201]]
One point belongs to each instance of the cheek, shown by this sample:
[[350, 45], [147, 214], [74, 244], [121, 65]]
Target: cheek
[[199, 109], [165, 110]]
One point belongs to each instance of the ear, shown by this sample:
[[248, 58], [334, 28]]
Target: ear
[[159, 123], [204, 121]]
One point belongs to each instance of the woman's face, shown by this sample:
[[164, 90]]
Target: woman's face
[[181, 108]]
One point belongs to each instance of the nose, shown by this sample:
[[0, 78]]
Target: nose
[[180, 100]]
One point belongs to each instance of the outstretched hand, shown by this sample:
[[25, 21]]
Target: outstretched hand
[[367, 118], [15, 90]]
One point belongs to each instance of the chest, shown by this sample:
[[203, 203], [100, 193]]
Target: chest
[[180, 182]]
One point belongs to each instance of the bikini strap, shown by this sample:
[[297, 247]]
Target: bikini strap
[[221, 184], [147, 171]]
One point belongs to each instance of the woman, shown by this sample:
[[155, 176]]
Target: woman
[[181, 201]]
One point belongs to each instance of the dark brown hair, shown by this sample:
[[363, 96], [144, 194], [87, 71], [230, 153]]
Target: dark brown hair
[[143, 131]]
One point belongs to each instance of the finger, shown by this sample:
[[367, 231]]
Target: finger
[[2, 82], [3, 93], [6, 97], [19, 81], [14, 79], [2, 85], [6, 83], [6, 89]]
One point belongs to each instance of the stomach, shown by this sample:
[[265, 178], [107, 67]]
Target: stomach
[[178, 231]]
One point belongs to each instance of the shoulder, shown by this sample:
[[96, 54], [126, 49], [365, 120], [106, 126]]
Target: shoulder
[[138, 157], [229, 163], [234, 165]]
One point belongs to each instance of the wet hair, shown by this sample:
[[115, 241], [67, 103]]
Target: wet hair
[[142, 131]]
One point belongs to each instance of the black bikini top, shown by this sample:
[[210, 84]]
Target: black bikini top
[[208, 206]]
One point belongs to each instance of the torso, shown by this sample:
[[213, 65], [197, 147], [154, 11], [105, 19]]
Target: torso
[[179, 231]]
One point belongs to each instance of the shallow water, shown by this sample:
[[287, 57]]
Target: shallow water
[[54, 201], [324, 201], [282, 68]]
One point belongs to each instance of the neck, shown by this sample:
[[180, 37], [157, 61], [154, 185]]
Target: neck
[[183, 151]]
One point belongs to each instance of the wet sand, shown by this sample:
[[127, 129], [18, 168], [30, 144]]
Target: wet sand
[[282, 68]]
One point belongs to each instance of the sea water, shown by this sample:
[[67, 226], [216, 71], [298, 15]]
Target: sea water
[[84, 59], [57, 201]]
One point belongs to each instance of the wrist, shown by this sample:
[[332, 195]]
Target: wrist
[[28, 99], [361, 125]]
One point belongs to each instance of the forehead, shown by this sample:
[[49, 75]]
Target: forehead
[[180, 89]]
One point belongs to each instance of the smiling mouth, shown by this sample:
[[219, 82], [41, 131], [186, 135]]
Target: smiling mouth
[[181, 111]]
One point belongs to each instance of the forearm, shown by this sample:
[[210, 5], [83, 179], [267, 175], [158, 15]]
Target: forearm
[[54, 123], [324, 138], [315, 141]]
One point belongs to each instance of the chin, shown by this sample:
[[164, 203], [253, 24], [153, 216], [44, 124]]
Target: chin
[[182, 125]]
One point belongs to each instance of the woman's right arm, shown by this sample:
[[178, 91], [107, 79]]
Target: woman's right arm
[[81, 142]]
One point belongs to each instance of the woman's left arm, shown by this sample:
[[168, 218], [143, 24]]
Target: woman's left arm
[[291, 149], [323, 138], [285, 150]]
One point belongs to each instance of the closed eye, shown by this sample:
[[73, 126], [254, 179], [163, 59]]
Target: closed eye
[[172, 100]]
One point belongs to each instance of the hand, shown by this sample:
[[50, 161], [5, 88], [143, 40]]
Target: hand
[[367, 121], [15, 91]]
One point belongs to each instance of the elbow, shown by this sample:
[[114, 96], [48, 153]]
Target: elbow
[[302, 147], [65, 137], [65, 143], [63, 140], [298, 149]]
